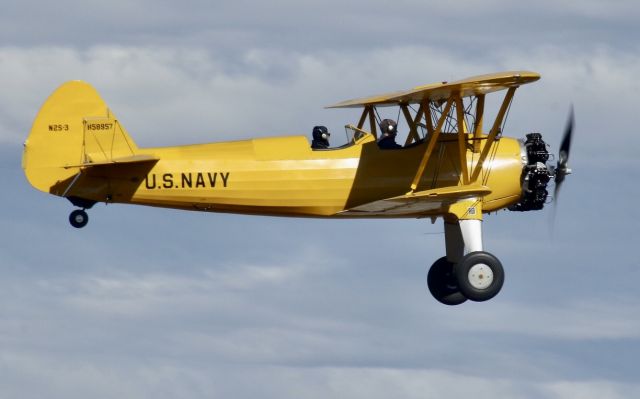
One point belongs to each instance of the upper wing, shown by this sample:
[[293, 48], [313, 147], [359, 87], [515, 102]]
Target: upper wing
[[418, 202], [472, 86]]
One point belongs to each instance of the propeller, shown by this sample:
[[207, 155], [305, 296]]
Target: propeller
[[562, 170]]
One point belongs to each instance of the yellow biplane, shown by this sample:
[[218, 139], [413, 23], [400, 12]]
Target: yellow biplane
[[452, 165]]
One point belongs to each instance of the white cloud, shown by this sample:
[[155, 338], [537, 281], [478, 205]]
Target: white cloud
[[598, 389], [602, 319], [130, 295], [161, 378], [173, 95], [599, 10]]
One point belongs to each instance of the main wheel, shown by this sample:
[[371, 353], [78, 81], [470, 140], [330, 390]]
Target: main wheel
[[78, 218], [480, 276], [442, 283]]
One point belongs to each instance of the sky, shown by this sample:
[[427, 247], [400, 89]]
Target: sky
[[154, 303]]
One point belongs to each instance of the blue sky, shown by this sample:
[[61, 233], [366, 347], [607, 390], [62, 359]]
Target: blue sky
[[152, 303]]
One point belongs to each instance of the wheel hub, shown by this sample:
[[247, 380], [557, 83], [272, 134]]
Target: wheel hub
[[480, 276]]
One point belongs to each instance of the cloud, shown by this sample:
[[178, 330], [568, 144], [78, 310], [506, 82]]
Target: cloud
[[159, 378], [328, 25], [170, 95], [603, 319], [589, 389]]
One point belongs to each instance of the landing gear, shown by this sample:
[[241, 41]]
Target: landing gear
[[78, 218], [476, 275], [443, 284]]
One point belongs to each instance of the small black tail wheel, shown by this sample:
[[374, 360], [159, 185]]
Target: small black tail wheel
[[480, 276], [442, 283], [78, 218]]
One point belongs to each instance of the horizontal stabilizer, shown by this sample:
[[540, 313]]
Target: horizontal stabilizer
[[140, 158]]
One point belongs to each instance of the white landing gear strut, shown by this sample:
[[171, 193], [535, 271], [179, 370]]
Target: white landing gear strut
[[466, 272]]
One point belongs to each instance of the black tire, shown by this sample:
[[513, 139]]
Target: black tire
[[78, 218], [442, 283], [480, 276]]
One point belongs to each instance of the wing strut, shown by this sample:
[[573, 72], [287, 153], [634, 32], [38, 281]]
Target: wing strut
[[432, 142], [413, 123], [369, 113], [494, 132], [462, 140], [477, 129], [372, 121]]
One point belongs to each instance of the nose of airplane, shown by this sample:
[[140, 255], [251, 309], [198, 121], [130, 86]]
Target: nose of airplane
[[535, 175]]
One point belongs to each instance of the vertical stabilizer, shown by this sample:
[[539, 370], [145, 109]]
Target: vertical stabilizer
[[74, 127]]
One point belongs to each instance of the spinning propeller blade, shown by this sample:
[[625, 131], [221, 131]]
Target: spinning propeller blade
[[562, 170]]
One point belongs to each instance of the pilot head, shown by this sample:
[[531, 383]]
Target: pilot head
[[321, 133], [389, 127]]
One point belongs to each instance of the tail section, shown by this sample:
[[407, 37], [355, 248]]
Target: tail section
[[73, 129]]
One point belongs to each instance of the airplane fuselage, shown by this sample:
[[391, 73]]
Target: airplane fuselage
[[283, 176]]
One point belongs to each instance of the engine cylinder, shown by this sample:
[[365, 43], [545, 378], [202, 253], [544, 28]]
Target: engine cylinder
[[535, 175]]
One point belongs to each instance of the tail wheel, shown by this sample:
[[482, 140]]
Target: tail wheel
[[479, 275], [442, 283], [78, 218]]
